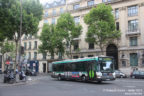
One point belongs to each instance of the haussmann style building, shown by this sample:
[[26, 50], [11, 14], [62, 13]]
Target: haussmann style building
[[128, 50]]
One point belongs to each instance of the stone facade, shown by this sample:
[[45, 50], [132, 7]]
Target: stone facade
[[129, 20]]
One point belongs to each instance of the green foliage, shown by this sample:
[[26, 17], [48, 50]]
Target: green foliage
[[51, 40], [10, 11], [67, 28], [10, 17], [7, 47], [101, 25]]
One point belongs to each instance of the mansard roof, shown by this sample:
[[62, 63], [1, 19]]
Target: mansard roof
[[55, 4]]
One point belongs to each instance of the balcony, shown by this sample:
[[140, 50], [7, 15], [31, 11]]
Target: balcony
[[133, 32]]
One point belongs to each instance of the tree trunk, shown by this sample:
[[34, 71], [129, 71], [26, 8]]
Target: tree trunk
[[16, 55], [3, 62], [101, 47], [70, 51], [52, 55]]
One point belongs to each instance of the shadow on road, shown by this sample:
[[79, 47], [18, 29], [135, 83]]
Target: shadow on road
[[88, 82]]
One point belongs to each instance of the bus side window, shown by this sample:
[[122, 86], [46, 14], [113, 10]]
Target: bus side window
[[83, 66], [54, 67], [73, 66], [67, 67], [61, 67]]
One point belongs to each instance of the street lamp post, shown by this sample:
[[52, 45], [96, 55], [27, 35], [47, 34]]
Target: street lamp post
[[20, 33]]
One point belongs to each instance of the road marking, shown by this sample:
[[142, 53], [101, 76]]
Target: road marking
[[130, 86], [130, 81]]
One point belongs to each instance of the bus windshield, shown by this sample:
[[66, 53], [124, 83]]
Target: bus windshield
[[106, 65]]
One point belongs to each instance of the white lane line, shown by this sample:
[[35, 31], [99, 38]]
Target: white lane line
[[130, 81], [130, 86]]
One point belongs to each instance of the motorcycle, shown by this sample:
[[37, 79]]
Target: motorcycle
[[9, 76], [22, 76]]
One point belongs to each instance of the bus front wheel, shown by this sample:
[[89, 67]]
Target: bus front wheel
[[83, 78]]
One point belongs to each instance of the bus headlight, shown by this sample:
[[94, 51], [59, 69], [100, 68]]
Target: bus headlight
[[114, 75], [98, 74]]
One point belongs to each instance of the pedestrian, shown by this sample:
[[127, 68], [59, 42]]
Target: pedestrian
[[17, 76]]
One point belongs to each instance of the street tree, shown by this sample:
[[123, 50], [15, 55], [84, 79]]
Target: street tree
[[68, 30], [10, 18], [7, 48], [51, 41], [101, 26]]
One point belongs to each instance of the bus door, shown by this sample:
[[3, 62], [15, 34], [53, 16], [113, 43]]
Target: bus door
[[67, 71], [91, 70]]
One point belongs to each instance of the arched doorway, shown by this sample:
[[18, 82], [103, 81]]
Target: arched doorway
[[112, 50]]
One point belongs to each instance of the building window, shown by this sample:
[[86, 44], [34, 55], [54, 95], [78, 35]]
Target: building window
[[25, 45], [30, 36], [90, 55], [29, 55], [61, 10], [54, 12], [45, 21], [104, 0], [59, 55], [76, 45], [35, 55], [29, 45], [133, 41], [133, 10], [75, 57], [142, 62], [133, 59], [117, 26], [35, 45], [123, 63], [77, 20], [25, 37], [46, 14], [91, 45], [116, 13], [76, 6], [47, 6], [53, 20], [90, 3], [44, 55], [109, 0], [132, 25]]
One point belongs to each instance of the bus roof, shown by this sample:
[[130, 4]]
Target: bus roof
[[78, 60]]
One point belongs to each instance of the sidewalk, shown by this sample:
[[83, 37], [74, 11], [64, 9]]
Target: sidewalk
[[30, 79]]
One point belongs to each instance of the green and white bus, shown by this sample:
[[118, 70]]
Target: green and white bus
[[85, 69]]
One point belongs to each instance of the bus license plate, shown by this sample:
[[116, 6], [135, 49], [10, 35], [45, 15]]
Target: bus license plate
[[104, 74]]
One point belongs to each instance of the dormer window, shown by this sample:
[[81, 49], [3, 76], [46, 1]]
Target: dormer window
[[54, 12], [76, 6], [90, 3]]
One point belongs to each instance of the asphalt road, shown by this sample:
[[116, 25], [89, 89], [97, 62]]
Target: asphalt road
[[53, 87]]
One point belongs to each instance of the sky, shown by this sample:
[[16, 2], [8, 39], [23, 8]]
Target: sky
[[49, 1]]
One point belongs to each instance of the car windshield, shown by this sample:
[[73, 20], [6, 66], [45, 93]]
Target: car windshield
[[106, 65]]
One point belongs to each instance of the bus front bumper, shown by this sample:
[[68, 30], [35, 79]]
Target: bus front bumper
[[108, 78]]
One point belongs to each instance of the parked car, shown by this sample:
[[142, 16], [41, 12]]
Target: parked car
[[120, 74], [137, 74]]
